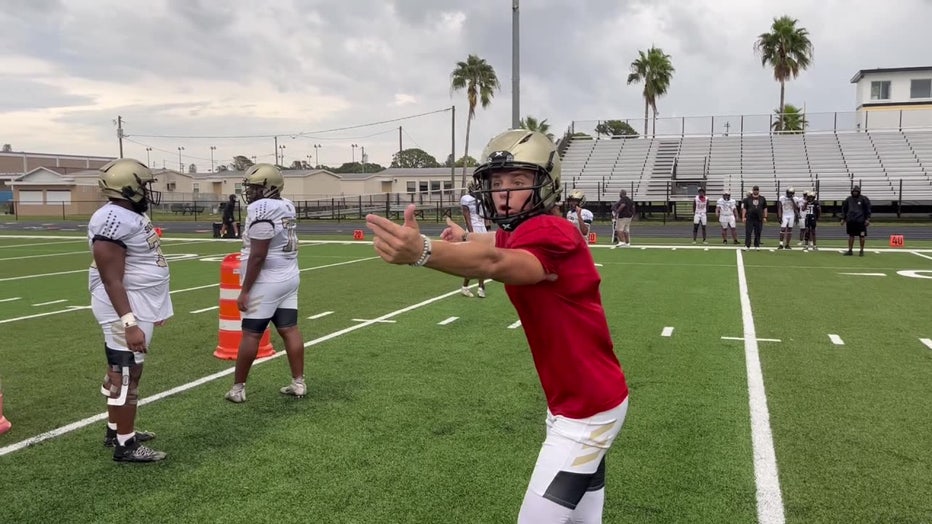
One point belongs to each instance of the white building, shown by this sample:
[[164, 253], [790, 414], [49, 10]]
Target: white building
[[894, 98]]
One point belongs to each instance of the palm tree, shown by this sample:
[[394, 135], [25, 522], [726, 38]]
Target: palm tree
[[478, 78], [790, 120], [787, 49], [541, 126], [655, 71]]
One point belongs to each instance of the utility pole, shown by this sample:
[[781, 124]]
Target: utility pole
[[515, 68], [400, 146], [120, 133], [180, 162], [212, 149], [452, 150], [276, 151]]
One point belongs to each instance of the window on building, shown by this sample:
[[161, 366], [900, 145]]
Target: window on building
[[197, 187], [422, 186], [170, 187], [412, 186], [238, 188], [434, 186], [920, 88], [447, 185], [880, 90]]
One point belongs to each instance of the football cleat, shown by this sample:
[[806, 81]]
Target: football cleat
[[110, 440], [236, 396], [133, 451], [295, 389]]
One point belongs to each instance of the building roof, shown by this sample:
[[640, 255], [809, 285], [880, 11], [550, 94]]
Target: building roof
[[862, 73]]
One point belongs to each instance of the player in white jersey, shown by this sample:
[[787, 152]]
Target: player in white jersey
[[700, 214], [577, 214], [475, 223], [725, 210], [128, 283], [269, 277], [788, 210], [800, 218]]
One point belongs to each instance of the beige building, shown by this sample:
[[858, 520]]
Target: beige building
[[19, 162]]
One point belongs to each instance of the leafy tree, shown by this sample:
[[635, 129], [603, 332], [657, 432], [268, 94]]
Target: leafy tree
[[357, 167], [615, 129], [478, 78], [242, 163], [654, 70], [7, 148], [300, 164], [222, 167], [787, 49], [532, 124], [413, 158], [466, 161], [790, 120], [583, 136], [192, 168]]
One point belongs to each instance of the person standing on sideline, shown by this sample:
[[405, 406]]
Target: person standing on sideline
[[856, 216], [800, 219], [475, 223], [551, 280], [577, 214], [128, 282], [700, 214], [623, 211], [812, 211], [725, 210], [229, 219], [269, 278], [754, 215], [787, 211]]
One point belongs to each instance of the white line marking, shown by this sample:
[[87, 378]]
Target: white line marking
[[918, 254], [50, 302], [865, 274], [211, 308], [209, 378], [37, 315], [836, 340], [41, 243], [447, 321], [927, 342], [7, 279], [515, 325], [319, 315], [759, 340], [667, 332], [769, 498], [85, 252], [9, 299], [372, 321], [598, 265]]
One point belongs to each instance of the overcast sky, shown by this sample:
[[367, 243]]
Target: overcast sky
[[223, 68]]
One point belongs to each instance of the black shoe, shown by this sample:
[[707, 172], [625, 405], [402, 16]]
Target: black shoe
[[110, 439], [861, 253], [787, 247], [736, 242], [848, 254], [133, 451]]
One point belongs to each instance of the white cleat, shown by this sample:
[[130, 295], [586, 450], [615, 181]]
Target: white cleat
[[236, 396], [466, 292], [481, 292], [295, 389]]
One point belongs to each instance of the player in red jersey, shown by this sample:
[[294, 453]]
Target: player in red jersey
[[551, 279]]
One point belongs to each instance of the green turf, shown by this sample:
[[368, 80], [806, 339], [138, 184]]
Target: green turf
[[411, 421]]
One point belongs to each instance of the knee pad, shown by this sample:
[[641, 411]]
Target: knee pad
[[122, 367]]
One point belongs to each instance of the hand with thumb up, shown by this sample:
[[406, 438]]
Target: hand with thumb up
[[397, 244], [453, 232]]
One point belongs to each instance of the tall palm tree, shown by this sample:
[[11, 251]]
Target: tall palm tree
[[478, 78], [787, 49], [791, 120], [655, 71], [532, 124]]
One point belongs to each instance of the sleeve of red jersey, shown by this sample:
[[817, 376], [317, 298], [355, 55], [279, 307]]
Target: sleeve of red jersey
[[549, 244]]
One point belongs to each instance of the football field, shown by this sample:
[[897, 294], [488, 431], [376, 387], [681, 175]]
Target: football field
[[765, 386]]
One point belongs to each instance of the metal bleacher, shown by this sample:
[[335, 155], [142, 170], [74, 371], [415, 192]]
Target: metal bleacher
[[889, 165]]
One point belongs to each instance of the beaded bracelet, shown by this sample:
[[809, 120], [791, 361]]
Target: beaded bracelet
[[425, 255]]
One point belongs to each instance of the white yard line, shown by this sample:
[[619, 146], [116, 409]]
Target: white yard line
[[516, 325], [42, 243], [84, 252], [59, 301], [766, 478], [836, 340], [209, 378], [918, 254], [667, 332], [447, 321], [196, 311], [927, 342], [759, 340], [9, 299], [865, 274], [320, 315]]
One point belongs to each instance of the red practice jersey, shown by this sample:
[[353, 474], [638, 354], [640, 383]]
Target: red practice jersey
[[564, 321]]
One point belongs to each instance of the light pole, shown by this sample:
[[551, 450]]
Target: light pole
[[148, 161], [317, 155], [212, 149], [354, 146], [362, 157], [727, 127], [180, 162], [282, 147]]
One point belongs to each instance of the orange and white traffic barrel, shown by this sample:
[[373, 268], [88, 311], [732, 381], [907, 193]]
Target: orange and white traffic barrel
[[230, 333]]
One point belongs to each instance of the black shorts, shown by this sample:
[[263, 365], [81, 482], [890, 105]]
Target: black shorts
[[228, 220], [856, 229], [810, 222]]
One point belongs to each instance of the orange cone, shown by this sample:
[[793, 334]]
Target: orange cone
[[230, 333], [4, 423]]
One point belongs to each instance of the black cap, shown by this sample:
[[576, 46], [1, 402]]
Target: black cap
[[755, 188], [856, 188]]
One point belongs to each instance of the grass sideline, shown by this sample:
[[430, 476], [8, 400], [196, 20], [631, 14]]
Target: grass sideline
[[412, 421]]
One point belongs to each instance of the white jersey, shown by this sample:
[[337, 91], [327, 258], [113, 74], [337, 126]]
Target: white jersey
[[800, 203], [787, 204], [145, 273], [726, 208], [475, 212], [702, 205], [272, 219], [586, 217]]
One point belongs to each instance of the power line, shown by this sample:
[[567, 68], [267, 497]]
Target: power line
[[303, 134]]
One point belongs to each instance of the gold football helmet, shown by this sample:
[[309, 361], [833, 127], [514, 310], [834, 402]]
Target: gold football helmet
[[128, 179], [262, 181], [578, 196], [519, 149]]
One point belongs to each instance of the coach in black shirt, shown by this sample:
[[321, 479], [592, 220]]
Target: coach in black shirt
[[856, 216], [753, 214]]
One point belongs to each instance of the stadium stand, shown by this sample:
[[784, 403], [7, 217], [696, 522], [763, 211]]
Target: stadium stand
[[889, 165]]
